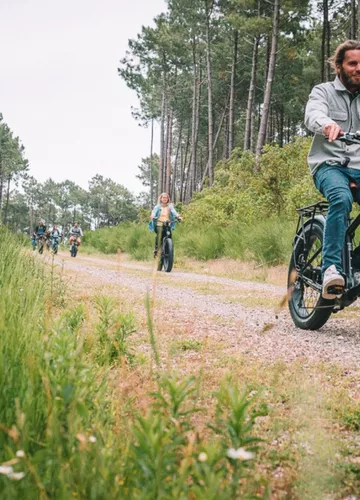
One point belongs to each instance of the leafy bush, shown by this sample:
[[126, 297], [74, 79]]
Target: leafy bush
[[113, 330], [165, 461], [204, 244], [269, 242]]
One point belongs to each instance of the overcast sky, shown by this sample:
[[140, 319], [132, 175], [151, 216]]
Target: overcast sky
[[60, 91]]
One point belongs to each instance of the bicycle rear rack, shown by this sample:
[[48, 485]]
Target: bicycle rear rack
[[321, 207], [307, 214]]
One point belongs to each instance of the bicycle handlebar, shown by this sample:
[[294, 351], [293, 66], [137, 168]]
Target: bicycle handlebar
[[350, 137], [172, 221]]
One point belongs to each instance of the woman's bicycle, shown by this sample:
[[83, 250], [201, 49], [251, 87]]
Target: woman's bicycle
[[55, 245], [40, 244], [74, 248], [166, 258], [308, 309], [48, 242]]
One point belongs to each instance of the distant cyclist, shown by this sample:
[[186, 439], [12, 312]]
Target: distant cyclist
[[75, 234], [55, 232], [55, 235], [163, 211], [40, 229]]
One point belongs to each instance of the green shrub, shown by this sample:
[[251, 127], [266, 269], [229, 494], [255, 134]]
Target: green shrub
[[59, 437], [203, 244], [113, 331], [140, 242], [269, 242]]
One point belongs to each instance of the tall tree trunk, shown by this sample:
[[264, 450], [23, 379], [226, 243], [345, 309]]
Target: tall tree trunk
[[181, 173], [253, 129], [358, 21], [328, 49], [210, 96], [173, 183], [197, 122], [151, 164], [271, 125], [353, 20], [268, 52], [324, 41], [215, 143], [271, 74], [187, 173], [281, 126], [251, 95], [288, 130], [232, 93], [225, 153], [183, 164], [191, 173], [169, 152]]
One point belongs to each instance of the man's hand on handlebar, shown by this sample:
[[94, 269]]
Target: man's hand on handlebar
[[333, 131]]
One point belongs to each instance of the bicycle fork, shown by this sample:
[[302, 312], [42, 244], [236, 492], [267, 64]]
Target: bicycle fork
[[353, 290]]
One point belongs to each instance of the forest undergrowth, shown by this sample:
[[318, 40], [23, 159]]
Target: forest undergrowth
[[246, 215]]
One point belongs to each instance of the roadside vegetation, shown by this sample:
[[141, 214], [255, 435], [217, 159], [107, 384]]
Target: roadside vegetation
[[98, 400], [63, 431]]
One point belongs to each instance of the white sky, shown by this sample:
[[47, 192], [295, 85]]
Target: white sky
[[60, 91]]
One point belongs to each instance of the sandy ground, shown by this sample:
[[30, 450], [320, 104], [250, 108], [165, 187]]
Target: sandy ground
[[245, 315]]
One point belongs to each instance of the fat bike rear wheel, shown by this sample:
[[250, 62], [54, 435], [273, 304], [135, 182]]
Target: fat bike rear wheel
[[308, 309]]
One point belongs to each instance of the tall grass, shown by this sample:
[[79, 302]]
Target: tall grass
[[267, 241], [59, 437]]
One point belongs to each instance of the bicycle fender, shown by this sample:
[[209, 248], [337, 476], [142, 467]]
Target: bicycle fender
[[320, 219]]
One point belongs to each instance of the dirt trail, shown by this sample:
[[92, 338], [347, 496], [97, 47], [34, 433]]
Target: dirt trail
[[245, 315]]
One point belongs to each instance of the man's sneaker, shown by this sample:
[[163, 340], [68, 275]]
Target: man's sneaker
[[333, 283]]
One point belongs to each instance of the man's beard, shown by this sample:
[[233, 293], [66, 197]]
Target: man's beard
[[349, 81]]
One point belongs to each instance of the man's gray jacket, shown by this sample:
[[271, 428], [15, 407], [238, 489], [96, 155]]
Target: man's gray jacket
[[328, 103]]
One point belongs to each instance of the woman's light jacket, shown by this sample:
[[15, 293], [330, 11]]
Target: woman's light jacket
[[156, 214]]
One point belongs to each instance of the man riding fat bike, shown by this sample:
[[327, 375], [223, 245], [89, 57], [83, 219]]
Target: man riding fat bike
[[75, 234], [333, 109]]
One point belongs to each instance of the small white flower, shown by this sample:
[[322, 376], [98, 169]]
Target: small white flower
[[17, 475], [240, 454], [6, 470], [20, 454], [202, 457], [92, 439]]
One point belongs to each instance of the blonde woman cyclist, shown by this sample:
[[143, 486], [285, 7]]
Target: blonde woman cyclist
[[164, 210]]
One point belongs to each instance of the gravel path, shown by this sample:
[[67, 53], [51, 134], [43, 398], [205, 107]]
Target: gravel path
[[262, 332]]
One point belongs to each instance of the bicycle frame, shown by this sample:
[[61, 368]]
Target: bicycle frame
[[307, 216]]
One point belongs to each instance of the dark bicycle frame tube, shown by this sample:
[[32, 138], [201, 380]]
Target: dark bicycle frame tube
[[353, 292]]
